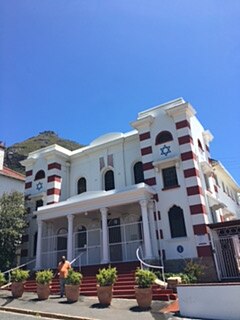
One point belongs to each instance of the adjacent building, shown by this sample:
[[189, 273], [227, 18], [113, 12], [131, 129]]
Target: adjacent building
[[10, 180], [156, 186]]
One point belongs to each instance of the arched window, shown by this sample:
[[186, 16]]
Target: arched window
[[163, 136], [81, 185], [138, 172], [40, 175], [177, 223], [109, 180], [81, 237]]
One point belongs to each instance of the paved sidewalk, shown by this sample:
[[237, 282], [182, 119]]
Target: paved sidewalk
[[86, 308]]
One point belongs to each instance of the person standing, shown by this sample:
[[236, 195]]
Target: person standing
[[63, 268]]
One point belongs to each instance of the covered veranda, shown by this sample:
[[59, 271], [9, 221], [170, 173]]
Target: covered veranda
[[98, 227]]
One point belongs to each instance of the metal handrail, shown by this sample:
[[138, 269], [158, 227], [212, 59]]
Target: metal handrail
[[149, 265], [78, 257], [15, 268]]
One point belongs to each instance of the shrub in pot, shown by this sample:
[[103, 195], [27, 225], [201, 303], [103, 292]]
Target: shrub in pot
[[143, 291], [43, 280], [106, 278], [2, 279], [18, 277], [72, 285]]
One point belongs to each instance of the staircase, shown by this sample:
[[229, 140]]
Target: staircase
[[123, 288]]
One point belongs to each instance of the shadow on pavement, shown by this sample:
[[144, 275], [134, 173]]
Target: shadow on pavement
[[99, 306]]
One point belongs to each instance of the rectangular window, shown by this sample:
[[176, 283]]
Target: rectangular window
[[169, 177]]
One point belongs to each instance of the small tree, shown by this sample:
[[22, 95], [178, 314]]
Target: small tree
[[12, 222]]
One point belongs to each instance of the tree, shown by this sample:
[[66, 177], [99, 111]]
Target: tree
[[12, 224]]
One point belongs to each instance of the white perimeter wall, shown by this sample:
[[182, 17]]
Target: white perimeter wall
[[220, 302]]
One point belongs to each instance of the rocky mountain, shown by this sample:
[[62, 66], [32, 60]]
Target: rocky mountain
[[19, 151]]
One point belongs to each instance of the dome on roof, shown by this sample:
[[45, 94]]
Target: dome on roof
[[106, 138]]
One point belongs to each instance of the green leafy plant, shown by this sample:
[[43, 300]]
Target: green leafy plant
[[106, 276], [44, 276], [144, 278], [74, 277], [2, 279], [19, 275], [194, 271]]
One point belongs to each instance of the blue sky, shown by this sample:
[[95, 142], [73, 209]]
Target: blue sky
[[84, 68]]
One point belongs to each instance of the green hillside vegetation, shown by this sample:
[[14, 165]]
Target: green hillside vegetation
[[19, 151]]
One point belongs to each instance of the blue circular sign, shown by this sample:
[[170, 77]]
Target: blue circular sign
[[180, 249]]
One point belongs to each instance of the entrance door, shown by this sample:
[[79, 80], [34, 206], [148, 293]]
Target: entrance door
[[115, 240]]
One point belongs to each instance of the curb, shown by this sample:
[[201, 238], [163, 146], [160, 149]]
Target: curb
[[44, 314]]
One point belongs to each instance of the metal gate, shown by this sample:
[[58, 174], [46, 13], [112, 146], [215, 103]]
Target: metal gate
[[227, 255]]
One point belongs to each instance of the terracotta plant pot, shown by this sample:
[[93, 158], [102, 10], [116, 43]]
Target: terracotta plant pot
[[17, 289], [104, 294], [143, 297], [72, 292], [43, 291]]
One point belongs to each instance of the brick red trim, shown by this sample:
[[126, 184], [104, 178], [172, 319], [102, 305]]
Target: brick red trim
[[28, 185], [54, 165], [150, 181], [54, 178], [200, 229], [193, 172], [54, 191], [145, 136], [204, 251], [52, 202], [198, 208], [188, 155], [147, 166], [185, 139], [182, 124], [29, 173], [194, 190], [146, 150]]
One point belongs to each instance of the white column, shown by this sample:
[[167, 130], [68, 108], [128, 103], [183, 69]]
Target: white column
[[70, 238], [146, 231], [105, 244], [153, 229], [38, 265]]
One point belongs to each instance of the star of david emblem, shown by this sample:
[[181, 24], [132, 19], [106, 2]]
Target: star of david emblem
[[165, 150], [39, 186]]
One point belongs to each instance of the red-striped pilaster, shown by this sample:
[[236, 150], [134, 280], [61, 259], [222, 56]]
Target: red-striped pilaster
[[196, 200], [54, 181]]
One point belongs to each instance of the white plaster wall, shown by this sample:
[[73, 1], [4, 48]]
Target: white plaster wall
[[9, 185], [220, 302], [125, 153]]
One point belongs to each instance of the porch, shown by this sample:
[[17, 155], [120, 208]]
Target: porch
[[98, 228]]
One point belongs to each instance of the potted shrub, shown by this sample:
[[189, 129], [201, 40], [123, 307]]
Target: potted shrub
[[18, 277], [143, 291], [72, 285], [2, 279], [106, 277], [43, 280]]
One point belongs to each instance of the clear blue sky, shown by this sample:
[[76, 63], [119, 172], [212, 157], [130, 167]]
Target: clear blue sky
[[84, 68]]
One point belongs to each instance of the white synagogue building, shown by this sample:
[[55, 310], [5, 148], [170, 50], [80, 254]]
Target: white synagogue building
[[155, 186]]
